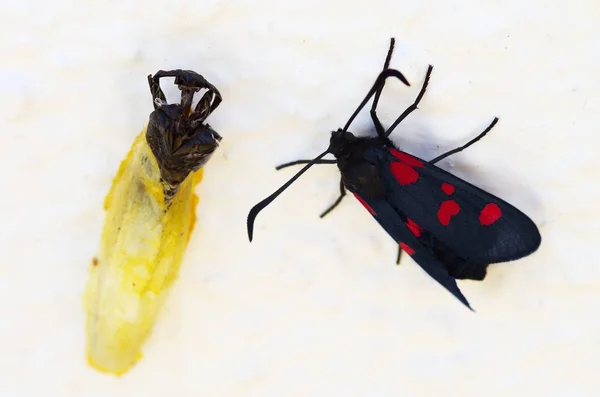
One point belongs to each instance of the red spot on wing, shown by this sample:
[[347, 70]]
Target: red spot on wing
[[404, 174], [407, 249], [403, 170], [367, 206], [447, 188], [414, 228], [489, 214], [447, 210], [406, 158]]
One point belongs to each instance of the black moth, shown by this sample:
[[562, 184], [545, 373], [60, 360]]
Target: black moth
[[451, 228]]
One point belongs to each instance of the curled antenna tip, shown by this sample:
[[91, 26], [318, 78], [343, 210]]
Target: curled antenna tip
[[391, 73]]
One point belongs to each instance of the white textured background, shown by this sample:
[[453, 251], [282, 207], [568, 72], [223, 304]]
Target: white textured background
[[312, 307]]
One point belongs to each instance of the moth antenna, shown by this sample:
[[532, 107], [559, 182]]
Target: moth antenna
[[260, 206], [384, 75]]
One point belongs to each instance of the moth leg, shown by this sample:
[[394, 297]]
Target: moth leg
[[378, 126], [337, 201], [399, 256], [304, 162], [412, 107], [466, 145]]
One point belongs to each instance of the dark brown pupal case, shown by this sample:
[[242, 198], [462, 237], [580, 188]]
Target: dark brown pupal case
[[176, 134]]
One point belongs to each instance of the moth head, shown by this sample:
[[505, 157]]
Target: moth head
[[339, 141]]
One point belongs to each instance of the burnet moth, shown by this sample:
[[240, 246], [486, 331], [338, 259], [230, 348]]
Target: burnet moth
[[451, 228], [150, 214]]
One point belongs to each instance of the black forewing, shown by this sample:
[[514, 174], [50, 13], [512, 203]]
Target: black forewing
[[393, 221], [512, 236]]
